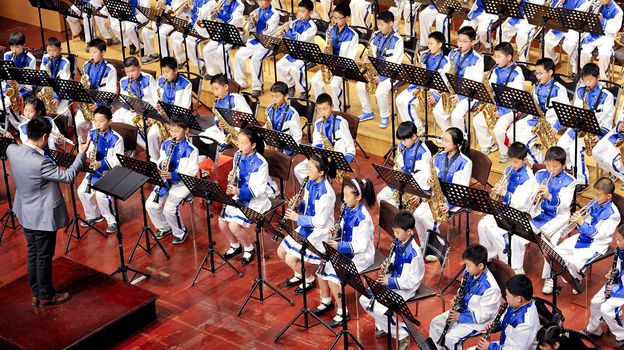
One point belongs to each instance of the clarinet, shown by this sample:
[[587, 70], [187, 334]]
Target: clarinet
[[292, 203], [93, 159], [455, 307], [613, 274], [499, 314], [334, 236], [166, 166], [386, 267]]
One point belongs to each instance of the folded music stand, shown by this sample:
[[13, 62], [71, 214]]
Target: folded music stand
[[224, 33], [120, 183], [339, 158], [428, 79], [581, 22], [273, 44], [149, 170], [209, 191], [504, 9], [400, 181], [471, 89], [544, 17], [279, 140], [65, 160], [515, 222], [123, 12], [515, 99], [305, 51], [5, 142], [450, 8], [348, 274], [171, 110], [345, 68], [558, 267]]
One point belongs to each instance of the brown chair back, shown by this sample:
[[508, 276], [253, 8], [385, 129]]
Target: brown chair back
[[279, 164], [233, 86], [618, 200], [118, 67], [387, 211], [354, 122], [128, 133], [61, 123], [501, 272], [538, 167], [150, 72], [481, 166]]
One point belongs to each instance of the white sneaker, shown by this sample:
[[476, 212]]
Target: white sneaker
[[519, 271], [548, 286]]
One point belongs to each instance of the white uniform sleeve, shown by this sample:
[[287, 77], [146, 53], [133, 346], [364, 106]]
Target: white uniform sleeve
[[422, 176], [151, 92], [346, 138], [259, 179], [487, 306], [521, 198], [396, 53], [349, 48], [614, 24], [240, 104], [111, 156], [188, 165], [294, 126], [184, 97], [362, 236], [110, 81], [522, 338]]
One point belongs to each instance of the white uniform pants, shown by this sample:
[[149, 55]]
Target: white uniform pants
[[292, 73], [361, 13], [552, 40], [606, 310], [213, 58], [82, 126], [257, 53], [335, 89], [456, 334], [493, 238], [605, 51], [456, 119], [381, 320], [96, 203], [500, 131], [524, 134], [166, 213], [382, 94], [482, 25], [567, 143], [177, 44], [426, 17], [407, 105], [609, 158], [148, 39], [408, 15]]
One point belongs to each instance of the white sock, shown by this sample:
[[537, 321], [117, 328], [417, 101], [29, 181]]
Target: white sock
[[297, 274], [310, 279], [249, 249], [326, 300], [235, 245], [339, 311]]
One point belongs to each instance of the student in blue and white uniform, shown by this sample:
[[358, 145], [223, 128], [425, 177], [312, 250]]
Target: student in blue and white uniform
[[231, 13], [595, 232], [22, 59], [266, 23], [334, 128], [196, 14], [388, 46], [402, 7], [467, 64], [434, 59], [355, 240], [478, 306], [591, 94], [453, 166], [35, 108], [521, 321], [611, 21], [314, 218], [521, 29], [545, 93], [413, 157], [290, 70], [344, 42], [361, 12], [142, 86], [102, 76], [97, 205], [404, 278], [606, 305], [507, 73], [606, 154], [103, 23], [480, 21], [58, 67], [130, 31], [250, 188], [226, 100], [520, 185], [570, 38], [164, 31], [426, 17], [179, 156]]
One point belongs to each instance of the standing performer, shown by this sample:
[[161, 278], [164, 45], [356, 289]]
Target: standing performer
[[37, 181]]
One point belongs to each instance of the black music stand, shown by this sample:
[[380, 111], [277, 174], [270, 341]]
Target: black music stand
[[558, 267], [146, 111], [515, 222], [544, 17], [224, 33], [582, 22], [450, 8], [339, 158], [348, 274], [578, 119], [516, 100], [272, 44], [504, 9], [237, 119], [305, 310], [422, 342], [4, 75], [472, 90], [428, 79], [279, 140], [209, 191], [10, 214], [391, 71], [171, 110], [120, 183], [400, 181], [65, 10], [25, 76], [123, 12], [90, 10], [307, 52], [65, 160], [107, 98], [393, 301], [261, 223], [345, 68], [187, 30], [149, 170], [41, 4], [155, 15]]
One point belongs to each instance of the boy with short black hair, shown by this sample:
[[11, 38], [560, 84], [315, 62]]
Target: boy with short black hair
[[58, 68], [404, 278], [611, 15], [516, 192], [22, 59], [106, 144], [212, 61], [481, 297]]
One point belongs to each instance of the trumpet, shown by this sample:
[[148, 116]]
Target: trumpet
[[502, 183], [568, 226], [215, 12], [538, 198], [280, 30], [251, 21]]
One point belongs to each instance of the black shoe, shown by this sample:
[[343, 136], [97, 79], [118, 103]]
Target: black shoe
[[133, 49], [581, 188], [111, 42], [289, 282], [181, 240], [318, 311], [303, 95], [111, 228], [181, 65], [256, 93], [309, 287], [291, 91], [149, 59], [619, 344], [249, 259], [160, 234], [91, 221], [232, 252], [81, 35], [333, 323]]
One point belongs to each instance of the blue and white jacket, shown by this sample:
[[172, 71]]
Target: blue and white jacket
[[108, 146], [546, 94], [59, 69], [481, 299], [387, 47], [316, 212], [102, 76], [23, 60], [301, 31], [252, 177], [144, 88], [520, 186], [611, 21], [617, 291], [231, 12], [178, 92], [183, 160], [268, 20], [336, 129], [344, 42], [415, 160], [285, 119], [597, 230], [600, 101], [357, 241], [519, 328], [477, 9], [408, 268], [510, 76], [467, 65], [562, 189], [456, 169], [439, 63]]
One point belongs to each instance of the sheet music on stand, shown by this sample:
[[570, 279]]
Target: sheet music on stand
[[237, 119], [70, 90], [400, 181], [25, 76], [107, 98], [280, 140], [515, 99], [173, 110], [223, 32], [339, 158], [390, 299]]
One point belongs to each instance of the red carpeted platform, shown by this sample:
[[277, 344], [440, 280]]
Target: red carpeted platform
[[102, 311]]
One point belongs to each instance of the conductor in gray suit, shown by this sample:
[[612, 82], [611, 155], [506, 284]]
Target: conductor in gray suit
[[40, 206]]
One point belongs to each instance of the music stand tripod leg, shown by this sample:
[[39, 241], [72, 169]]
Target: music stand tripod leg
[[10, 214], [147, 231], [123, 47], [43, 42], [344, 332], [75, 221], [123, 268]]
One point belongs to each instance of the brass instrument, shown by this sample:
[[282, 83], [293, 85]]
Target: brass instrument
[[613, 274], [137, 120], [46, 95], [86, 112], [334, 236], [14, 96], [250, 22], [181, 8], [501, 311], [419, 93], [62, 138], [385, 268], [502, 183], [447, 104], [543, 129], [93, 159], [619, 143], [619, 38], [292, 204], [269, 125], [406, 203], [538, 198], [328, 146], [215, 12], [568, 226], [280, 30], [367, 68], [459, 295], [587, 137], [165, 166], [488, 109], [437, 197], [329, 49], [231, 136]]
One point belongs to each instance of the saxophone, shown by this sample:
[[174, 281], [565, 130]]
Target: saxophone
[[166, 166], [619, 143], [14, 96], [329, 49], [280, 30], [137, 120], [497, 318], [459, 295], [613, 274], [336, 235], [269, 125], [93, 159], [86, 112], [543, 129], [231, 136], [407, 197], [46, 95], [588, 137], [447, 104], [385, 268], [437, 197], [328, 146], [488, 109], [368, 70], [419, 93], [502, 183]]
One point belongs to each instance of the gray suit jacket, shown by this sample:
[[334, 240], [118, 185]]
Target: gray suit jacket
[[39, 204]]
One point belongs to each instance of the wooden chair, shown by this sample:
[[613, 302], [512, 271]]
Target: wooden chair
[[548, 312], [307, 110], [501, 272], [354, 124], [580, 341], [129, 135]]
